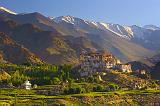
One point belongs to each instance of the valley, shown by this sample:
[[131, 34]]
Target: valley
[[70, 61]]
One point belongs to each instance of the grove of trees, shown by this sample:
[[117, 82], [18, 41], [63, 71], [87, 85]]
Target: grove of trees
[[39, 74]]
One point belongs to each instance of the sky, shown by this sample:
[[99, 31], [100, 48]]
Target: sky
[[125, 12]]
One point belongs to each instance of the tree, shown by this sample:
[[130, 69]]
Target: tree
[[98, 88], [27, 64], [55, 80], [91, 79], [113, 87], [17, 78], [66, 71], [74, 90]]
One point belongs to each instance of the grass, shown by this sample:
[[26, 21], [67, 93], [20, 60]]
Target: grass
[[8, 96]]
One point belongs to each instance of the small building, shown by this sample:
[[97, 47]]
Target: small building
[[124, 68], [142, 72], [27, 85]]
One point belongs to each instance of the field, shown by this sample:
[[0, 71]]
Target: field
[[21, 97], [62, 88]]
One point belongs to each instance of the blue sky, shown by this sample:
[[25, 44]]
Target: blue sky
[[126, 12]]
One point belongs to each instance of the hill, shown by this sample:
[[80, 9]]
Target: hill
[[50, 46], [16, 53], [156, 71], [106, 39], [4, 75], [137, 65]]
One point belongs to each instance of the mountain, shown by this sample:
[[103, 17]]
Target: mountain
[[151, 27], [5, 10], [50, 46], [136, 65], [15, 53], [127, 32], [34, 18], [122, 31], [1, 58], [78, 23], [139, 35], [107, 36], [156, 72], [115, 38], [153, 60], [42, 43]]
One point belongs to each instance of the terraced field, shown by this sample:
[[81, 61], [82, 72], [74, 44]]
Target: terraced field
[[21, 97]]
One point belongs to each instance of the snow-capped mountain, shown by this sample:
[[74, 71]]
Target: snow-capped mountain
[[145, 36], [67, 19], [126, 32], [140, 32], [114, 38], [76, 22], [151, 27], [3, 9], [122, 31]]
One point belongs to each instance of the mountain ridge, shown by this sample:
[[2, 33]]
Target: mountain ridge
[[115, 38], [16, 53], [7, 10]]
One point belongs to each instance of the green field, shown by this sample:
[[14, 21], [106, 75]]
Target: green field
[[59, 86], [21, 97]]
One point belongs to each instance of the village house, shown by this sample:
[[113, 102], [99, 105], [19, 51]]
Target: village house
[[96, 62], [142, 72], [124, 68]]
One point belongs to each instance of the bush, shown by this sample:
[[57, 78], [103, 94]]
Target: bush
[[144, 88], [98, 88], [56, 80], [113, 87], [90, 79], [76, 90]]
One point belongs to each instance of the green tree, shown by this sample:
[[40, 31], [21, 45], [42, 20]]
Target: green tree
[[98, 88], [113, 87], [74, 90], [17, 78], [55, 80]]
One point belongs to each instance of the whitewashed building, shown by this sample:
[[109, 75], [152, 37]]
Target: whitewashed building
[[27, 85]]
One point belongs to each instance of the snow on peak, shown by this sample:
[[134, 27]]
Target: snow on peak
[[68, 19], [51, 18], [140, 32], [151, 27], [129, 30], [119, 30], [94, 23], [7, 10], [73, 20], [123, 31]]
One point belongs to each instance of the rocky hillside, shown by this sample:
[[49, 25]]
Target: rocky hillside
[[136, 65], [15, 53], [50, 46], [128, 43], [4, 75], [124, 80], [107, 36], [156, 71]]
